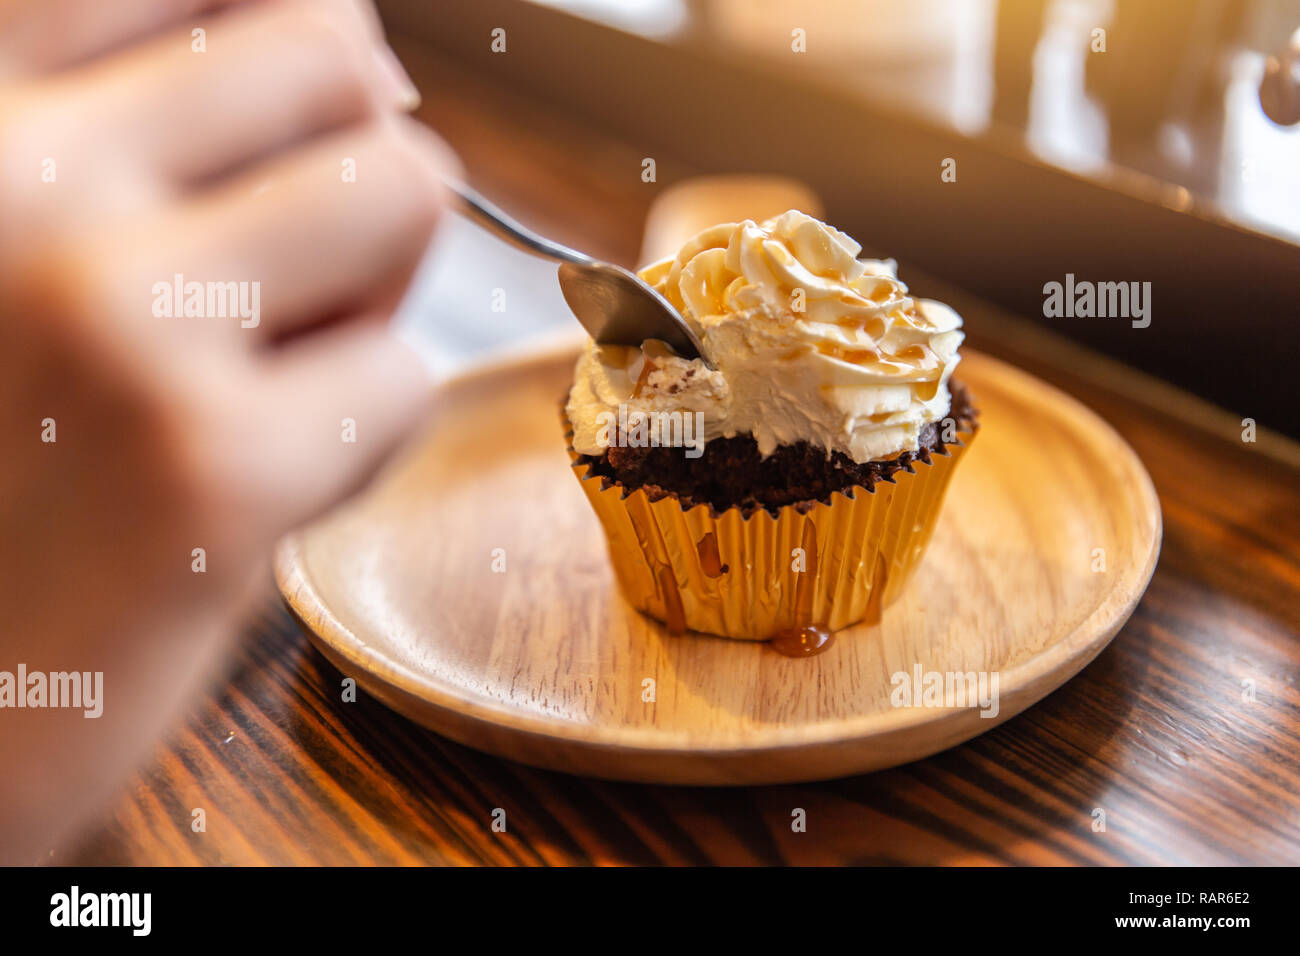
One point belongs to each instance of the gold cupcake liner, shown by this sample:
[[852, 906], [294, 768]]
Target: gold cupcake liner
[[750, 578]]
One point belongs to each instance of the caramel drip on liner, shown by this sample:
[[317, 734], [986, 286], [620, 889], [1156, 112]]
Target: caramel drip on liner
[[804, 638], [638, 512], [805, 587], [675, 612], [710, 559], [809, 640]]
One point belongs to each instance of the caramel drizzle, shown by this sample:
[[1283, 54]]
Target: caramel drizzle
[[918, 355], [801, 641], [647, 368]]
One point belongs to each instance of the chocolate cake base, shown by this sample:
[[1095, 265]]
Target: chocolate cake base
[[731, 473]]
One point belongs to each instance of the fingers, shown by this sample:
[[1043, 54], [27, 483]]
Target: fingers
[[270, 166], [268, 75], [336, 405], [321, 229]]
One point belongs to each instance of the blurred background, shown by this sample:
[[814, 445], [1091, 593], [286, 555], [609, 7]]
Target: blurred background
[[1114, 140], [1168, 89]]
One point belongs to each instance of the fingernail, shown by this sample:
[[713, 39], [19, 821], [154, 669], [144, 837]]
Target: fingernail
[[396, 79]]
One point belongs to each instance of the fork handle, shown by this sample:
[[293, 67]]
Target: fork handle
[[475, 207]]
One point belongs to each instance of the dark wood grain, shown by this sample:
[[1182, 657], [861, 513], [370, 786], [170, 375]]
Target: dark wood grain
[[1155, 732]]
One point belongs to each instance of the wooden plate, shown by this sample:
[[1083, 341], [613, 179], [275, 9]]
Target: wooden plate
[[1049, 536]]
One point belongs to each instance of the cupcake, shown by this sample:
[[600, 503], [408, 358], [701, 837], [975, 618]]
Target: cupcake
[[788, 486]]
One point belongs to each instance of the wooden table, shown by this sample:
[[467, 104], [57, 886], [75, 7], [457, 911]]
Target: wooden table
[[1159, 731]]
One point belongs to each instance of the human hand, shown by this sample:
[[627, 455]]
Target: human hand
[[275, 160]]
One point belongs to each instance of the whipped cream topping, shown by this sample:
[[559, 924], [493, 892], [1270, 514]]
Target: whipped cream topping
[[808, 342]]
